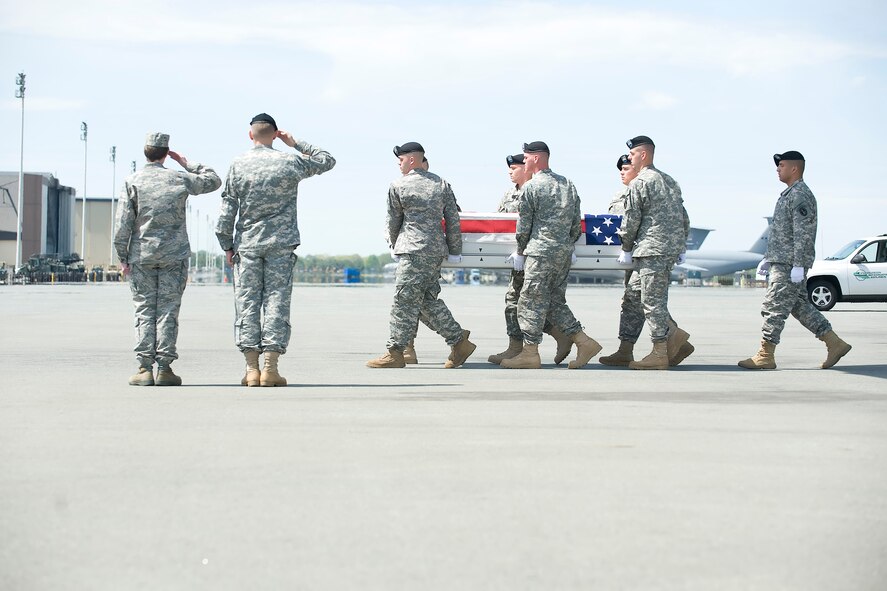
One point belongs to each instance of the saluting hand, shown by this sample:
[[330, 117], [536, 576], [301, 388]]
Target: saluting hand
[[179, 158], [287, 138]]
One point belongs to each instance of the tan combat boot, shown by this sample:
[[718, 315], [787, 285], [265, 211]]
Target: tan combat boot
[[166, 377], [514, 348], [144, 377], [393, 358], [253, 375], [586, 348], [622, 357], [460, 352], [564, 345], [685, 351], [270, 376], [527, 359], [677, 338], [657, 359], [837, 348], [409, 354], [763, 359]]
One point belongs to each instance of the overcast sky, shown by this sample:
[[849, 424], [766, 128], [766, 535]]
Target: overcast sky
[[719, 86]]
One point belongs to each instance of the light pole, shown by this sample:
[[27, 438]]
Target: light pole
[[113, 159], [83, 133], [20, 93]]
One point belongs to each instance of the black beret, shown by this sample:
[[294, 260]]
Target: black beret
[[640, 140], [536, 147], [790, 155], [517, 159], [624, 160], [264, 118], [408, 148]]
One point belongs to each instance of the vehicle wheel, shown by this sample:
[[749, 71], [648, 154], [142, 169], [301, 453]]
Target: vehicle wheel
[[822, 294]]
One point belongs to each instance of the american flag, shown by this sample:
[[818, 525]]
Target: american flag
[[600, 230]]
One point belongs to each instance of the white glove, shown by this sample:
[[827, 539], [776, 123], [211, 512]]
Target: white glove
[[516, 260], [454, 258], [682, 257], [573, 258], [797, 274], [624, 258], [394, 257], [763, 268]]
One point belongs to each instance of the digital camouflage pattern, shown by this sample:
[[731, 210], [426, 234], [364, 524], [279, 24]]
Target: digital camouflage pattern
[[151, 236], [655, 222], [549, 218], [784, 298], [548, 225], [261, 192], [791, 244], [655, 227], [617, 204], [264, 287], [793, 230], [416, 291], [417, 202], [157, 295], [509, 202], [544, 297], [151, 219]]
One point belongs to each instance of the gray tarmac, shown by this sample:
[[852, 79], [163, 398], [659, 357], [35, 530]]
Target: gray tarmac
[[704, 477]]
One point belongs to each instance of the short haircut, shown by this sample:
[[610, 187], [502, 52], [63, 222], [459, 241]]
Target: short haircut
[[155, 154], [263, 129]]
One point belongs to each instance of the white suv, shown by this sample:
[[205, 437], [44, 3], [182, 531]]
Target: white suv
[[856, 273]]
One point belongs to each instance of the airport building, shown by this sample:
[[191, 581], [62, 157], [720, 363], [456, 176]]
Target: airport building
[[51, 221]]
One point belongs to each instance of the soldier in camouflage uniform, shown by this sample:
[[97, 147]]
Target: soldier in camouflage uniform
[[509, 204], [548, 226], [654, 227], [790, 252], [151, 241], [261, 193], [631, 316], [416, 204]]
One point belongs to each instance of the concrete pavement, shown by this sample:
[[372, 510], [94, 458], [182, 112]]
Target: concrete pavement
[[704, 477]]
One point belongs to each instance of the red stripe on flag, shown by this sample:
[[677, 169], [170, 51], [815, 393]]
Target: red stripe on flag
[[488, 226]]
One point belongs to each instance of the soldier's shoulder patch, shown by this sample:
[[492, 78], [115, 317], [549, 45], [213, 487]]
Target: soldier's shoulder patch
[[803, 210]]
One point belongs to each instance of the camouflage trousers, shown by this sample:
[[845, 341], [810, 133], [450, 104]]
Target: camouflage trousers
[[157, 295], [631, 316], [647, 291], [544, 296], [416, 290], [512, 296], [263, 288], [784, 298]]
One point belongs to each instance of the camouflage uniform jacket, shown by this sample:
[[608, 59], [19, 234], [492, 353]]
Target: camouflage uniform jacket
[[417, 202], [549, 218], [261, 192], [617, 204], [151, 223], [509, 202], [655, 222], [793, 231]]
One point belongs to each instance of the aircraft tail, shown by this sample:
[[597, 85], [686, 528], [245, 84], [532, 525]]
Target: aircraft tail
[[760, 245], [696, 237]]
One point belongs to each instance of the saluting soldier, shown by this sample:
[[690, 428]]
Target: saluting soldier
[[631, 316], [151, 241], [654, 235], [416, 204], [261, 193], [548, 226], [790, 253]]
